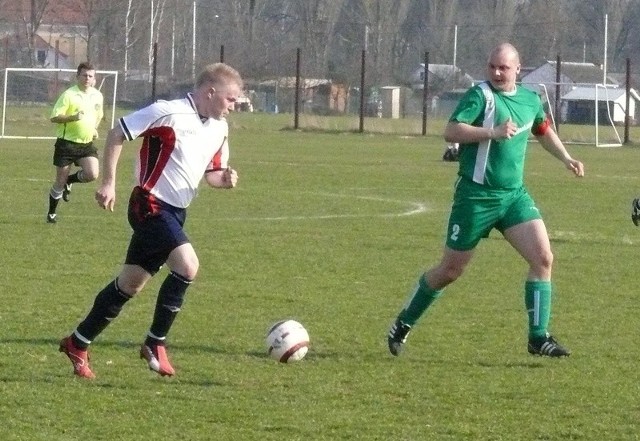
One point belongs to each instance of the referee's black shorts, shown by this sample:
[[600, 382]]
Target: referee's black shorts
[[68, 152]]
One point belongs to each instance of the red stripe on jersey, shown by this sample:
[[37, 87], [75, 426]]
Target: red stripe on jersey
[[216, 161], [157, 145]]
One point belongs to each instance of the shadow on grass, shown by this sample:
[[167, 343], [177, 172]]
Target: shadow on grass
[[312, 355], [113, 344]]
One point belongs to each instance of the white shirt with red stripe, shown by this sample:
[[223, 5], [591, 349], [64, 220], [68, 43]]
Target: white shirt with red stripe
[[177, 148]]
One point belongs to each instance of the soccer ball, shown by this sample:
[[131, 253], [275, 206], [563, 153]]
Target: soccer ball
[[287, 341]]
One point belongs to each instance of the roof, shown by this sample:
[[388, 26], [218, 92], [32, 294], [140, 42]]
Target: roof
[[589, 94], [580, 72], [442, 70], [60, 12], [290, 82], [41, 43], [445, 72], [621, 78]]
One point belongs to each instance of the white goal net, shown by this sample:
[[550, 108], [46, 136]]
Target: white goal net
[[29, 94], [589, 113]]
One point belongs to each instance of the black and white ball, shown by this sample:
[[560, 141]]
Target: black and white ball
[[287, 341]]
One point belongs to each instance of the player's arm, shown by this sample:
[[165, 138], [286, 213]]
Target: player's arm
[[106, 193], [99, 116], [100, 111], [221, 178], [60, 109], [460, 128], [463, 133], [62, 119], [552, 143]]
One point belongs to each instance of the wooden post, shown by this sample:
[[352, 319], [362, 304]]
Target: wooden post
[[425, 93], [627, 119], [557, 103], [362, 69], [296, 104]]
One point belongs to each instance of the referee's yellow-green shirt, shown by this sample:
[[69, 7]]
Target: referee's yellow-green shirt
[[71, 102]]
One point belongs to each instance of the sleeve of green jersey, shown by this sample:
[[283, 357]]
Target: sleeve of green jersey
[[470, 108], [541, 116]]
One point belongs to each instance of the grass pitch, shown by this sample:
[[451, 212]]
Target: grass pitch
[[332, 230]]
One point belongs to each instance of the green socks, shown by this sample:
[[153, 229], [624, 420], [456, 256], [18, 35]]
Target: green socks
[[422, 297], [537, 299]]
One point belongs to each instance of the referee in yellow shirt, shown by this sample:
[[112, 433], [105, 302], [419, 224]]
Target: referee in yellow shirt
[[77, 113]]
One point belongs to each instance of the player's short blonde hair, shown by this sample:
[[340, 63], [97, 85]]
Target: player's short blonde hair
[[219, 74]]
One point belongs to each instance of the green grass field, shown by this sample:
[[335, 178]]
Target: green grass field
[[331, 229]]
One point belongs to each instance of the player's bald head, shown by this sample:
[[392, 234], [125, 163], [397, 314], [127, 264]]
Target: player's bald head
[[505, 50]]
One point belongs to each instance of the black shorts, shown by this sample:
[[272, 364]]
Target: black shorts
[[69, 152], [157, 230]]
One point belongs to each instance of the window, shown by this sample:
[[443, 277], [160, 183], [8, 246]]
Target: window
[[41, 56]]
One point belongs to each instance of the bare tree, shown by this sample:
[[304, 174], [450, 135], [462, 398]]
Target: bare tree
[[383, 19], [31, 16], [318, 20]]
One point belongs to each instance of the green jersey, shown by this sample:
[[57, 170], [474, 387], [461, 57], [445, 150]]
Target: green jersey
[[496, 163], [71, 102]]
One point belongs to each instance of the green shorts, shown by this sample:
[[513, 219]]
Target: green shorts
[[477, 210]]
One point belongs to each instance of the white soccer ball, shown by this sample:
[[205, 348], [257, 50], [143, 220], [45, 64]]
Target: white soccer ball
[[287, 341]]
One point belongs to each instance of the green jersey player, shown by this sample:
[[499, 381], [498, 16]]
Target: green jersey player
[[492, 124]]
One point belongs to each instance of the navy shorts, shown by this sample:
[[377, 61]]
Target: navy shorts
[[68, 152], [157, 230]]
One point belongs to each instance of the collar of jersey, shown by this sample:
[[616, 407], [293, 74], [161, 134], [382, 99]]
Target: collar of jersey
[[195, 109]]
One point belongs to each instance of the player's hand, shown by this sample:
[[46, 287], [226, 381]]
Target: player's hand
[[230, 177], [635, 211], [576, 167], [106, 197], [79, 115], [505, 130]]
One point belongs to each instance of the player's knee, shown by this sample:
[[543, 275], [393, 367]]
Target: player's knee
[[89, 175], [190, 268], [130, 287], [545, 261]]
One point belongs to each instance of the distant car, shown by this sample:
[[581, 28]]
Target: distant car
[[243, 104]]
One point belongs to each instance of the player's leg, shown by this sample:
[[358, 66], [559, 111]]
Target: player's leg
[[531, 240], [428, 289], [109, 302], [106, 307], [532, 243], [431, 283], [56, 191], [183, 266], [469, 222], [89, 169]]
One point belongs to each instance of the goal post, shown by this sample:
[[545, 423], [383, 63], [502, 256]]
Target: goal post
[[29, 93], [589, 112], [608, 105]]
